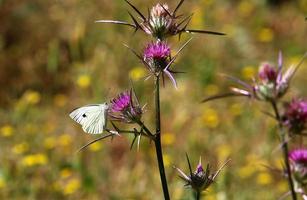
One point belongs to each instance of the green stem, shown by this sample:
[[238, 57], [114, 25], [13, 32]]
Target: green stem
[[285, 149], [158, 141]]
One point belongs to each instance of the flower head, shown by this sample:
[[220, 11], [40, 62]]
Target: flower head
[[124, 108], [200, 179], [298, 161], [271, 83], [295, 116], [267, 73], [157, 55], [161, 22]]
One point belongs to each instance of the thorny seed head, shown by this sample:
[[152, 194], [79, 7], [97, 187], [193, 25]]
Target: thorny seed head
[[161, 22], [295, 116], [200, 179], [123, 108], [298, 161]]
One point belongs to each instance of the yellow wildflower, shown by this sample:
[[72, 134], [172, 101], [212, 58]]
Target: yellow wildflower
[[65, 140], [248, 72], [72, 186], [34, 159], [7, 130], [264, 178], [137, 73], [31, 97], [84, 81], [210, 118], [20, 148], [96, 146], [65, 173], [211, 89], [265, 35], [245, 8], [168, 138], [2, 182]]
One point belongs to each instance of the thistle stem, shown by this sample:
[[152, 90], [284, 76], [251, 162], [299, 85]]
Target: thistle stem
[[197, 195], [284, 148], [158, 141]]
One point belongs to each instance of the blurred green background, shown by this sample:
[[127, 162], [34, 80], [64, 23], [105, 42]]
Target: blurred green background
[[54, 58]]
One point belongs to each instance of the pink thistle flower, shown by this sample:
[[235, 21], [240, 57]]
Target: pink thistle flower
[[295, 116], [123, 108], [298, 162]]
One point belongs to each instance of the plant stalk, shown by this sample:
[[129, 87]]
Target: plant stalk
[[158, 141], [285, 149]]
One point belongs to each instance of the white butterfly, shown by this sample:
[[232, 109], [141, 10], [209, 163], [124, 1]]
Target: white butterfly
[[92, 118]]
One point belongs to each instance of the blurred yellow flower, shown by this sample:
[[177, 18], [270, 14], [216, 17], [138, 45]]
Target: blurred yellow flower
[[96, 146], [84, 81], [236, 109], [246, 171], [31, 97], [65, 173], [72, 186], [223, 152], [167, 160], [2, 182], [49, 142], [282, 186], [210, 118], [20, 148], [7, 130], [60, 100], [211, 89], [34, 159], [265, 35], [245, 8], [137, 72], [65, 140], [168, 138], [248, 72], [264, 178]]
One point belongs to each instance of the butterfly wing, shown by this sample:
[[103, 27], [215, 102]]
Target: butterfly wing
[[92, 117]]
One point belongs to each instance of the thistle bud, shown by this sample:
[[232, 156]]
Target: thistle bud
[[200, 179], [267, 73]]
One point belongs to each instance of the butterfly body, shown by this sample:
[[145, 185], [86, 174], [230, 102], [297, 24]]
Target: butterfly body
[[92, 118]]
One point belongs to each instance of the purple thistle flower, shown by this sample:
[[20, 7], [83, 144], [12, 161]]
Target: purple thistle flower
[[124, 109], [295, 116], [157, 51], [271, 85], [161, 22], [267, 73], [298, 161], [157, 56]]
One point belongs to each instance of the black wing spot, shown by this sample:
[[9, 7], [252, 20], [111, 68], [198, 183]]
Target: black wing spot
[[84, 115]]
